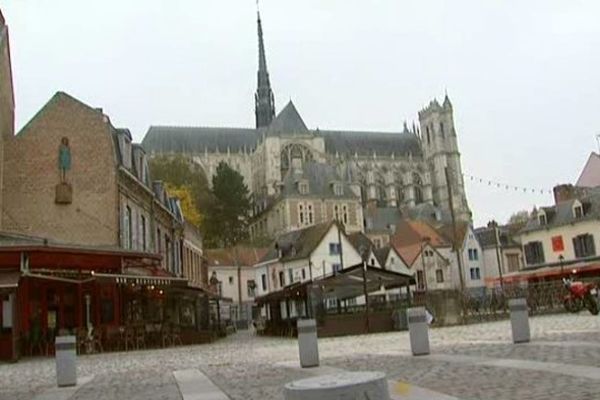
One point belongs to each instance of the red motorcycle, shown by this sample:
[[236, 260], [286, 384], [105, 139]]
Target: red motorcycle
[[580, 295]]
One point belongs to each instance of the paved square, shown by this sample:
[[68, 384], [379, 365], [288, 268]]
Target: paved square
[[467, 362]]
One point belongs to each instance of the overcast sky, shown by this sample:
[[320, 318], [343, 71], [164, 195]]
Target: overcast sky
[[524, 76]]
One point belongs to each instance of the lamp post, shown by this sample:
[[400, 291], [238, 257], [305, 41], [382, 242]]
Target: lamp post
[[561, 258], [424, 241]]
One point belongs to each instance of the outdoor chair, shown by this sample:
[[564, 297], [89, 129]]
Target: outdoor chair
[[176, 336], [140, 337], [128, 338]]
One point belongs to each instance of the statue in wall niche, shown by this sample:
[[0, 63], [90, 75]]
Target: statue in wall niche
[[64, 159], [64, 191]]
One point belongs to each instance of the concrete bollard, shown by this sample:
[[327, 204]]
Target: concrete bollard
[[519, 320], [345, 385], [66, 361], [308, 343], [418, 330]]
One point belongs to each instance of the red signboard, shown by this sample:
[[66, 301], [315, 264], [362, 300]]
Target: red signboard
[[557, 244]]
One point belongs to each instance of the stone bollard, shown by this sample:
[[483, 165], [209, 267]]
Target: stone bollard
[[66, 361], [519, 320], [308, 343], [345, 385], [418, 330]]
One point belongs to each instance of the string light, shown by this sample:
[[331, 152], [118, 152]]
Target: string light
[[505, 186]]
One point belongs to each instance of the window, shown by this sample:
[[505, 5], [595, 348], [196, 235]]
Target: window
[[372, 261], [291, 276], [143, 233], [127, 231], [512, 261], [584, 246], [335, 248], [281, 279], [578, 211], [439, 276], [338, 189], [336, 267], [377, 243], [336, 212], [310, 214], [158, 243], [168, 258], [428, 135], [263, 281], [303, 187], [542, 218], [475, 274], [301, 213], [303, 273], [473, 256], [442, 129], [231, 280], [420, 280], [251, 285], [345, 214], [534, 253]]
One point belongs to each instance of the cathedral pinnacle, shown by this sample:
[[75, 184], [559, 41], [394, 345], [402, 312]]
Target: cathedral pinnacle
[[264, 99]]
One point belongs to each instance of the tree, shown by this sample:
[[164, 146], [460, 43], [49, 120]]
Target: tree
[[178, 173], [226, 221], [188, 205]]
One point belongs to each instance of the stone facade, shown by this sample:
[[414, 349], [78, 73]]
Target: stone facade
[[383, 169]]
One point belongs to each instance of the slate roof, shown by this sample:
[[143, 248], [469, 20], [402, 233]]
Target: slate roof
[[382, 254], [365, 143], [562, 213], [362, 244], [297, 244], [319, 177], [165, 139], [380, 219], [288, 121], [487, 237]]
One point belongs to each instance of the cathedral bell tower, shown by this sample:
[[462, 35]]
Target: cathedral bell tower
[[264, 101], [440, 149]]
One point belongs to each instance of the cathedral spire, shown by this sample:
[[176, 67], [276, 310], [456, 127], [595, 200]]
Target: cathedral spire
[[264, 107]]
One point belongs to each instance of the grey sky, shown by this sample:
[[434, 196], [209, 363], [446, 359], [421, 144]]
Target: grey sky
[[524, 76]]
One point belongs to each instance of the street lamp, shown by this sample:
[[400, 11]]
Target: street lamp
[[561, 258]]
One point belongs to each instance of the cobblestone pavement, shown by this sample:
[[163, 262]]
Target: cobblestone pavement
[[250, 367]]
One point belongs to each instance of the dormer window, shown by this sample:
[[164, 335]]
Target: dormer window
[[303, 187], [542, 219], [578, 210], [338, 189]]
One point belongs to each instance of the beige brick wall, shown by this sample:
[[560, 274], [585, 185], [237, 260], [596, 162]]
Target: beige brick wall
[[6, 100], [31, 174]]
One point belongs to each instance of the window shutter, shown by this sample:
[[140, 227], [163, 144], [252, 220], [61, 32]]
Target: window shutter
[[590, 245], [577, 247]]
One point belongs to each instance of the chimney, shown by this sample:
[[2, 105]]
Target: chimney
[[566, 192]]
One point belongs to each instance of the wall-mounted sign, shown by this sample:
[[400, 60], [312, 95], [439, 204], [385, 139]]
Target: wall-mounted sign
[[557, 244]]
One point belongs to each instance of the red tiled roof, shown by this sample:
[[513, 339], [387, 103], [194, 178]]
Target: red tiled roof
[[242, 256], [411, 235]]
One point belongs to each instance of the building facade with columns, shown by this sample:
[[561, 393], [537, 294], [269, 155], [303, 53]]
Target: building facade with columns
[[406, 169]]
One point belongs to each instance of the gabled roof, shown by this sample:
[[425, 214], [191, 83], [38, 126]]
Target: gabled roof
[[411, 236], [382, 254], [235, 256], [288, 121], [362, 244], [297, 244], [447, 231], [590, 175]]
